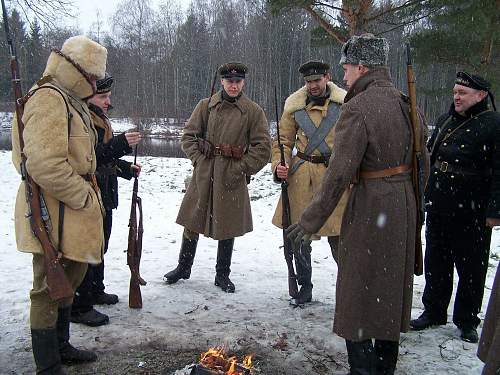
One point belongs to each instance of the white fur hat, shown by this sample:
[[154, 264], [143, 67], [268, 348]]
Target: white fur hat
[[86, 54]]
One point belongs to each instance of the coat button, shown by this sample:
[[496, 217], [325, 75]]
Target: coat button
[[445, 144], [89, 158]]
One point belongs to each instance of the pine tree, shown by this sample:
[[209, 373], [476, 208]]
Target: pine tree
[[463, 35]]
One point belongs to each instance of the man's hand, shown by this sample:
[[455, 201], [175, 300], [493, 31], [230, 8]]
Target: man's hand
[[492, 222], [282, 171], [136, 169], [133, 138], [297, 234]]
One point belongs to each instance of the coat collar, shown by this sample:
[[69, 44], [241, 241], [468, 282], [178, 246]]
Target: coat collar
[[472, 111], [375, 77], [297, 100], [241, 103]]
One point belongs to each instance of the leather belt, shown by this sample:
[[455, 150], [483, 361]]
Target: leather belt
[[388, 172], [446, 167], [315, 159], [226, 150]]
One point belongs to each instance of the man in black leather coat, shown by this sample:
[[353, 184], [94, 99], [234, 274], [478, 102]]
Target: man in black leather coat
[[462, 204]]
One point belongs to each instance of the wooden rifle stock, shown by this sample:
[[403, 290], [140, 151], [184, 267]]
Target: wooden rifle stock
[[58, 285], [134, 249], [418, 173], [285, 218]]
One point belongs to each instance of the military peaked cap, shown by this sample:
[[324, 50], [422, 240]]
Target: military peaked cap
[[233, 70], [472, 81], [313, 70], [104, 85]]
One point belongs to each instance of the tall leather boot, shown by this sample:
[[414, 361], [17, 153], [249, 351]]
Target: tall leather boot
[[333, 241], [186, 259], [223, 266], [46, 352], [386, 356], [304, 273], [361, 357], [69, 354]]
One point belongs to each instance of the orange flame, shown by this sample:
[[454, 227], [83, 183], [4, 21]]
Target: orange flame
[[216, 359]]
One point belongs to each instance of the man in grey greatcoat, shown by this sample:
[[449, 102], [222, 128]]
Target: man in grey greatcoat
[[227, 139], [372, 154]]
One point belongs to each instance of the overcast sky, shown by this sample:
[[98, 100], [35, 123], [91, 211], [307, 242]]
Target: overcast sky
[[86, 11]]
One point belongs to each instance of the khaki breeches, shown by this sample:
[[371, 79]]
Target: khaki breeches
[[43, 310]]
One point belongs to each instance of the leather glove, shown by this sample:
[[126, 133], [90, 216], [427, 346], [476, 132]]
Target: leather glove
[[297, 234]]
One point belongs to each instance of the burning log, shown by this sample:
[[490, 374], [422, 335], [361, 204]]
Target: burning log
[[200, 370], [216, 362]]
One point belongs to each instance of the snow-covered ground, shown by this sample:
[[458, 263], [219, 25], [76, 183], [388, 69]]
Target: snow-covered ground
[[194, 313]]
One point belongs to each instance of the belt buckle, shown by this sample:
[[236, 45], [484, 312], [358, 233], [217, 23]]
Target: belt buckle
[[444, 166], [217, 151]]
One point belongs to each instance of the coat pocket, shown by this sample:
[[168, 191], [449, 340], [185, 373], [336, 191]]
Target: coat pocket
[[83, 231], [233, 176]]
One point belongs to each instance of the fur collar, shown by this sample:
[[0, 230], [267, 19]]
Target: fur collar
[[297, 100]]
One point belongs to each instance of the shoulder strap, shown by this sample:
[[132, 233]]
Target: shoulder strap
[[69, 116], [316, 135], [438, 142]]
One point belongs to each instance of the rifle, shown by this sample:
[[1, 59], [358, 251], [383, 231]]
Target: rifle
[[418, 173], [285, 218], [57, 282], [134, 249]]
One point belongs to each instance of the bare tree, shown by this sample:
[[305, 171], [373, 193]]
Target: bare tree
[[45, 10]]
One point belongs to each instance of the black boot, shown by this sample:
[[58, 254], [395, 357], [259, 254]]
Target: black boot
[[223, 266], [46, 352], [186, 258], [69, 354], [304, 273], [361, 357], [386, 356], [424, 321]]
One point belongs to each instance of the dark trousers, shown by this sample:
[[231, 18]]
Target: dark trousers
[[463, 241], [93, 282]]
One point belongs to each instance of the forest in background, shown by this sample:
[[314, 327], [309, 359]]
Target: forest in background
[[163, 59]]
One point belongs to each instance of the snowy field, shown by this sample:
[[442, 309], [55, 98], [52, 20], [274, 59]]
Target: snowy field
[[193, 313]]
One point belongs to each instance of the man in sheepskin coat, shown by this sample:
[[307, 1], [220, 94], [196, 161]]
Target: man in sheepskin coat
[[372, 154], [61, 160], [227, 139], [307, 124]]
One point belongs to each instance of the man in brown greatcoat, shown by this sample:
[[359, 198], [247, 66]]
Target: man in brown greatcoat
[[227, 139], [61, 160], [489, 345], [372, 151]]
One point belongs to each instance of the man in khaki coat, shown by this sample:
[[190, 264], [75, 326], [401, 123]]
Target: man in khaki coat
[[227, 139], [61, 160], [307, 124], [372, 153]]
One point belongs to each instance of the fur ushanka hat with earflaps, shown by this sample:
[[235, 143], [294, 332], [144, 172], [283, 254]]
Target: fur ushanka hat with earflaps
[[365, 50]]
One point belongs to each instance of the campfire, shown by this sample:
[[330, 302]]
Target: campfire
[[215, 361]]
